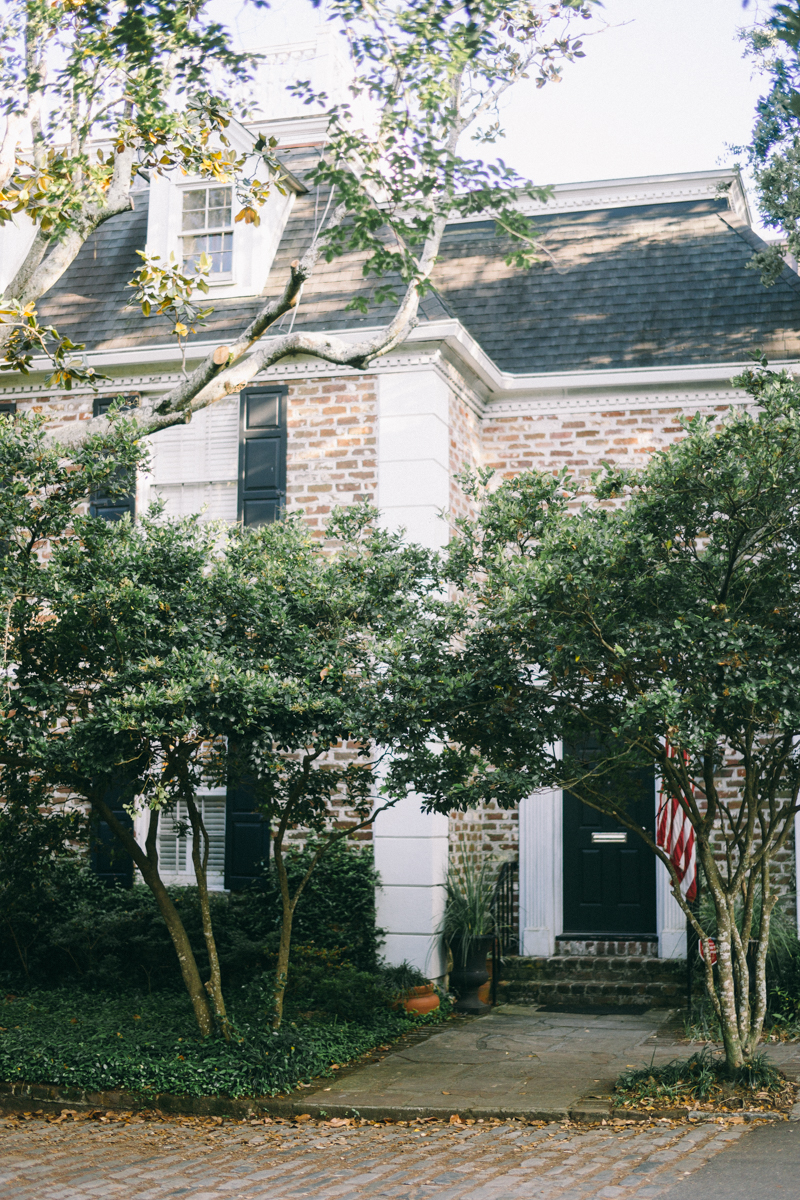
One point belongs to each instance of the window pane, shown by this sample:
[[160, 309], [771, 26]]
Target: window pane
[[219, 248], [219, 207], [194, 209]]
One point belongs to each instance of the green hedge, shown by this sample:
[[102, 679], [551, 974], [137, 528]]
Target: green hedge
[[140, 1044], [74, 929]]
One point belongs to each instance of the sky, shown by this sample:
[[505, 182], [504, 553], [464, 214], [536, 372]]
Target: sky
[[663, 88]]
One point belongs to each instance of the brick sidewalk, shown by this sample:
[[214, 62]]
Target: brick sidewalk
[[427, 1161]]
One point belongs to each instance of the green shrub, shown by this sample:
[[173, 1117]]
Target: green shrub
[[703, 1077], [77, 930], [140, 1044]]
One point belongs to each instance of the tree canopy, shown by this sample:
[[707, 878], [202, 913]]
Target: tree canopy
[[160, 656], [96, 92], [773, 154], [656, 611]]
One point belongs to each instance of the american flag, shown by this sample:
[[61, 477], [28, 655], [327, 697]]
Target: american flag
[[674, 833]]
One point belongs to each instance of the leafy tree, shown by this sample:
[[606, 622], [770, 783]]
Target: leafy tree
[[773, 154], [95, 92], [658, 611], [355, 639], [148, 656], [35, 840]]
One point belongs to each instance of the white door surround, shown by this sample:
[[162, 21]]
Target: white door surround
[[541, 855]]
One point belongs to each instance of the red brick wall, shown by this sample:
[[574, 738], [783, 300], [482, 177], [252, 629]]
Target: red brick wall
[[332, 445], [579, 441]]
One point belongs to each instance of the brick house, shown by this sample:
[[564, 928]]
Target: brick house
[[644, 312]]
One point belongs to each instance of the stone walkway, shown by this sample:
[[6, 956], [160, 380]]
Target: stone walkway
[[515, 1062], [162, 1160]]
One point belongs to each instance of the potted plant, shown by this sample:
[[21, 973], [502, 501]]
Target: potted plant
[[469, 929], [410, 988]]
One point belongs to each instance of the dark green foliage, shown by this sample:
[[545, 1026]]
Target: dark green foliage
[[76, 929], [33, 842], [772, 154], [140, 1043], [337, 907], [668, 623], [702, 1077], [403, 978]]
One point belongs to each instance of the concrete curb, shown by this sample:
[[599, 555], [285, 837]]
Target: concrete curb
[[44, 1098], [30, 1097]]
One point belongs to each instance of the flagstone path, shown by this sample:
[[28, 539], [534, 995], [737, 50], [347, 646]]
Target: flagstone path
[[515, 1062]]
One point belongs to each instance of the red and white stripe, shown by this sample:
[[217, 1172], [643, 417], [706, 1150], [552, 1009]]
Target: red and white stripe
[[674, 833]]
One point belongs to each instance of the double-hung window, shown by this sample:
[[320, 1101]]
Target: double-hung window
[[207, 228]]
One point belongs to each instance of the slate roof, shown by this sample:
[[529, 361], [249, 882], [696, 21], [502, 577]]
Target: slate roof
[[658, 285]]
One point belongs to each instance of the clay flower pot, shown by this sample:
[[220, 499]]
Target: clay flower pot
[[421, 999]]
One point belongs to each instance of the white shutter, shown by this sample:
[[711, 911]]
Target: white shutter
[[196, 466], [213, 809], [175, 852], [167, 847]]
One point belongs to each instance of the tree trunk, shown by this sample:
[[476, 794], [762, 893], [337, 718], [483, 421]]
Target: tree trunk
[[282, 969], [148, 866], [288, 906], [200, 861]]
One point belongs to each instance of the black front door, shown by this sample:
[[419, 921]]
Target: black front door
[[609, 872]]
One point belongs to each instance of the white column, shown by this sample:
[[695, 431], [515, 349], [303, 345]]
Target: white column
[[541, 860], [411, 858], [414, 454], [413, 488]]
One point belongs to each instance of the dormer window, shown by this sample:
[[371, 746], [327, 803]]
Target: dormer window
[[207, 228]]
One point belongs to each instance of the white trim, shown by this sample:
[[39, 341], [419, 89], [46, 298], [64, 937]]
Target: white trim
[[595, 195], [670, 918], [541, 871], [437, 345]]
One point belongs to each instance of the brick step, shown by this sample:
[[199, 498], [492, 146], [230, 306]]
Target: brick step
[[584, 967], [593, 980]]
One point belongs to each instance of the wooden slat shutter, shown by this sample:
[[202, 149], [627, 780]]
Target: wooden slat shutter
[[246, 837], [175, 847], [195, 467], [262, 454]]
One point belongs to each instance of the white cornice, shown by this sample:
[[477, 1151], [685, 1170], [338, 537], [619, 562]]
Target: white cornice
[[603, 194], [293, 131], [438, 346]]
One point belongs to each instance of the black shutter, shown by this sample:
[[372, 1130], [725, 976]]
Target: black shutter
[[108, 858], [111, 508], [262, 454], [246, 837], [8, 408]]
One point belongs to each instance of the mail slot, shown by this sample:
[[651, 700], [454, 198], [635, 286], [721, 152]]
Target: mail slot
[[620, 838]]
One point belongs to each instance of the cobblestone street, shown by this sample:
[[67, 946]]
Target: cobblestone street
[[155, 1160]]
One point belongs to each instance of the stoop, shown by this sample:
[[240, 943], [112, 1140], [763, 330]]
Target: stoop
[[595, 973]]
